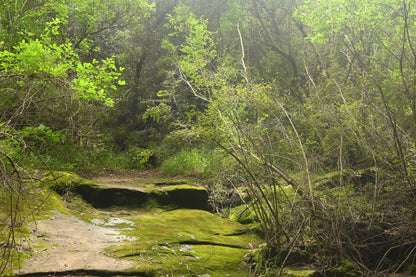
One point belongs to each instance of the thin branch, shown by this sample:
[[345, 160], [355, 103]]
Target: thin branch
[[191, 87], [242, 54]]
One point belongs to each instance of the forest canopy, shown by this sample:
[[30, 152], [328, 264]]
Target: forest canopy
[[308, 106]]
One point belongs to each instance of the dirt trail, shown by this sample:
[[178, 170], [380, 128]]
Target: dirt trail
[[70, 244]]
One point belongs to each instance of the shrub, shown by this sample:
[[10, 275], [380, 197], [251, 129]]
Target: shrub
[[141, 157]]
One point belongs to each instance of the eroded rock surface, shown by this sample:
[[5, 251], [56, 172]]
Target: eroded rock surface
[[65, 243]]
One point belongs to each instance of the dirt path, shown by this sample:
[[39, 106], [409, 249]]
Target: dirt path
[[127, 176], [69, 244]]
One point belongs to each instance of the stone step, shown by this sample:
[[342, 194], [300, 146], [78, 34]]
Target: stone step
[[135, 194]]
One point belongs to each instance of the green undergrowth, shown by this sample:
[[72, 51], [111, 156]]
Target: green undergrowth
[[246, 213], [71, 157], [191, 162]]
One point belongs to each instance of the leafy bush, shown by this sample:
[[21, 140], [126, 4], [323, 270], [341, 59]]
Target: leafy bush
[[141, 157], [41, 137]]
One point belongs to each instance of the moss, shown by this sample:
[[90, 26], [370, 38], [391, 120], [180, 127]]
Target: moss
[[186, 225], [64, 178], [208, 259], [34, 204], [40, 246], [345, 269], [300, 273], [243, 214], [333, 179], [16, 260], [64, 182], [47, 201], [187, 241]]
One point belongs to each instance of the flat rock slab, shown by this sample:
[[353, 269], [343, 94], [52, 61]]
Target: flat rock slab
[[131, 193], [65, 243]]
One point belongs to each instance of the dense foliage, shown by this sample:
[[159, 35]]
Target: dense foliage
[[306, 109]]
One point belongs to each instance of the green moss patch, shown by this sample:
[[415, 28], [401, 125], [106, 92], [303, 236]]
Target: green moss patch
[[244, 214], [63, 180], [187, 241], [300, 273]]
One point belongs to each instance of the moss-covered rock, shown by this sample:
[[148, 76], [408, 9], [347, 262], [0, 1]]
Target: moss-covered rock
[[138, 194], [187, 242], [186, 196], [63, 178], [347, 176], [161, 242]]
